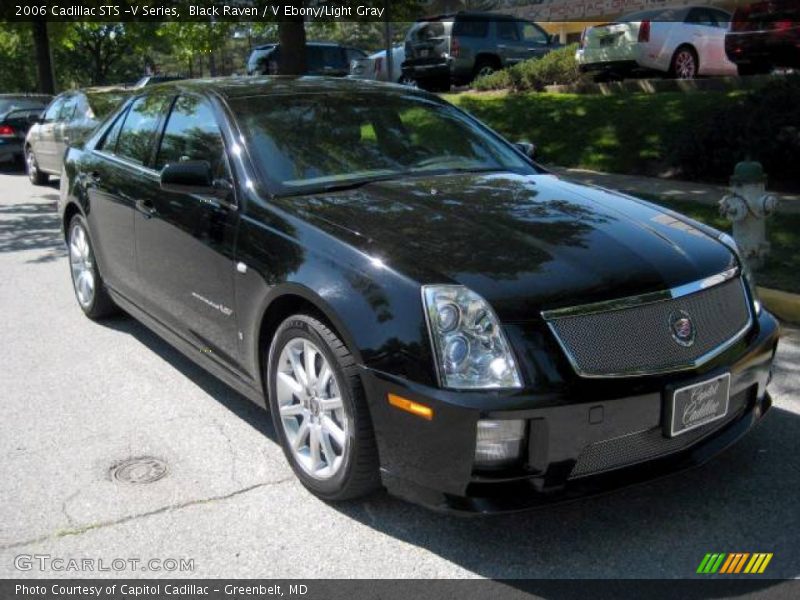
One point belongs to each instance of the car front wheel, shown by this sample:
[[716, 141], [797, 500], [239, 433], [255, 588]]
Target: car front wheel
[[319, 410], [86, 280], [32, 167]]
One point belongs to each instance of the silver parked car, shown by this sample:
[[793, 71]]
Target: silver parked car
[[375, 66], [684, 42]]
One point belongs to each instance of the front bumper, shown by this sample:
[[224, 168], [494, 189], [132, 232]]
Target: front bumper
[[570, 451]]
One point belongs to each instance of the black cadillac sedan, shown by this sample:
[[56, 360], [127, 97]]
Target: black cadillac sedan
[[419, 305]]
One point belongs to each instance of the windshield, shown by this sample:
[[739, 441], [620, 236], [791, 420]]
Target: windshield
[[315, 142]]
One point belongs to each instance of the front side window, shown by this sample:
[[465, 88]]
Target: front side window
[[139, 129], [68, 109], [52, 111], [531, 34], [310, 142], [192, 134]]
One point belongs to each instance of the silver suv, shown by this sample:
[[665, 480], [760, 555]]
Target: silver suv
[[459, 47]]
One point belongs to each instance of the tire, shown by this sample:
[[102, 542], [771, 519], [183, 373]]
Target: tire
[[484, 66], [441, 84], [36, 176], [87, 283], [685, 64], [753, 69], [353, 473]]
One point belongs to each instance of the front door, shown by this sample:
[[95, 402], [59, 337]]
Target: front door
[[185, 242], [44, 142], [120, 168]]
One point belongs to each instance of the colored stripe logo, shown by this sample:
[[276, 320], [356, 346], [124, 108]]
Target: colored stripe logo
[[734, 562]]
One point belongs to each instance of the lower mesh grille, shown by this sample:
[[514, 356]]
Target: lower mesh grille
[[637, 340], [645, 445]]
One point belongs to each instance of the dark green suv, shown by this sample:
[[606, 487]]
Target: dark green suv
[[457, 48]]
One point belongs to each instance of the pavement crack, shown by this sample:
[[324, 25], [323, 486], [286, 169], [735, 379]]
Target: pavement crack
[[164, 509]]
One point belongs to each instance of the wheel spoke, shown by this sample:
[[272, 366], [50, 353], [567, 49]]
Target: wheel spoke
[[297, 368], [330, 404], [292, 410], [310, 361], [324, 376], [294, 386], [327, 449], [313, 446], [300, 437], [334, 430]]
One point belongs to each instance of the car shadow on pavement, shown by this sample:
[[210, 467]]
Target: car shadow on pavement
[[742, 501], [235, 402], [32, 226]]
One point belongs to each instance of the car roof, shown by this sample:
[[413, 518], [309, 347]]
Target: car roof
[[241, 86]]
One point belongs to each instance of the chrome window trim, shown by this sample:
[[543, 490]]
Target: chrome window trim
[[633, 301]]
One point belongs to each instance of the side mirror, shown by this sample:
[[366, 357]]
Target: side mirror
[[527, 149], [193, 177]]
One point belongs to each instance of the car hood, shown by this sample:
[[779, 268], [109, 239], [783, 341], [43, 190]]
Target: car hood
[[525, 243]]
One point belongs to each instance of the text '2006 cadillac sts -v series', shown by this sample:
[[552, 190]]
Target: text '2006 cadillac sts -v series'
[[419, 304]]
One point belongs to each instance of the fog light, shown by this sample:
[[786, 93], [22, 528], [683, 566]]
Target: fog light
[[499, 442]]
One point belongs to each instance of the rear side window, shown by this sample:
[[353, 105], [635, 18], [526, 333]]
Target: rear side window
[[507, 30], [472, 28], [136, 136], [192, 133]]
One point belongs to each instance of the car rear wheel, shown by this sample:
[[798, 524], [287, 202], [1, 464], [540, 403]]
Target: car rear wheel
[[684, 63], [32, 167], [319, 410], [484, 67], [86, 280]]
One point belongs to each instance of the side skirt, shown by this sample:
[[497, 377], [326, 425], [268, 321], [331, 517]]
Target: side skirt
[[192, 352]]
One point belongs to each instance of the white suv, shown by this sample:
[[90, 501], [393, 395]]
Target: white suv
[[685, 42]]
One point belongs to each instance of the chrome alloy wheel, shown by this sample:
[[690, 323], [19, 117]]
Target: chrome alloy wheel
[[685, 65], [82, 265], [30, 165], [311, 409]]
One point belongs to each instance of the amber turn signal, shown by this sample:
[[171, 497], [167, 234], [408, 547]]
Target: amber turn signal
[[415, 408]]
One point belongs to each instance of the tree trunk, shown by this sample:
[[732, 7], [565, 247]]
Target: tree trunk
[[387, 39], [44, 61], [292, 36]]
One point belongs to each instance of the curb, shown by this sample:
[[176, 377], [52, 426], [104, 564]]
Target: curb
[[783, 304]]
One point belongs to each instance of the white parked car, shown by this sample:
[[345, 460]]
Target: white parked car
[[685, 42], [374, 66]]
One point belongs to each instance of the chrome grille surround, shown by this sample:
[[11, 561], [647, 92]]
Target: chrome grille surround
[[630, 337]]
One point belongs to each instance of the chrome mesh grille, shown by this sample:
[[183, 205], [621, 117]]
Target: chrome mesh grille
[[645, 445], [637, 340]]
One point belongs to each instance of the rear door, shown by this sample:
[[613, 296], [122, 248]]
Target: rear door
[[509, 42], [185, 242]]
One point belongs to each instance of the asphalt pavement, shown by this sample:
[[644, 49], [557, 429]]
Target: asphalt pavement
[[77, 398]]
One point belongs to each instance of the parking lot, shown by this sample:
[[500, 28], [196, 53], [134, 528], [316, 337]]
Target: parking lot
[[79, 397]]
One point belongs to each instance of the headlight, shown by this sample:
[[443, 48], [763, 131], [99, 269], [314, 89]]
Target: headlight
[[470, 348], [728, 241]]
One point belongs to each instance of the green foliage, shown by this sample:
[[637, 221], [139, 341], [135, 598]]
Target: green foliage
[[557, 67], [16, 50], [763, 126]]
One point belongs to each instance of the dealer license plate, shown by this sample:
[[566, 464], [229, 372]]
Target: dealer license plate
[[699, 404]]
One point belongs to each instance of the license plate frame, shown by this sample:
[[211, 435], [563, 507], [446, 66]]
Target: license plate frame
[[712, 403]]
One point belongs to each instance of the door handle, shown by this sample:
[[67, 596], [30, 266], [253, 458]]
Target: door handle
[[146, 208]]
